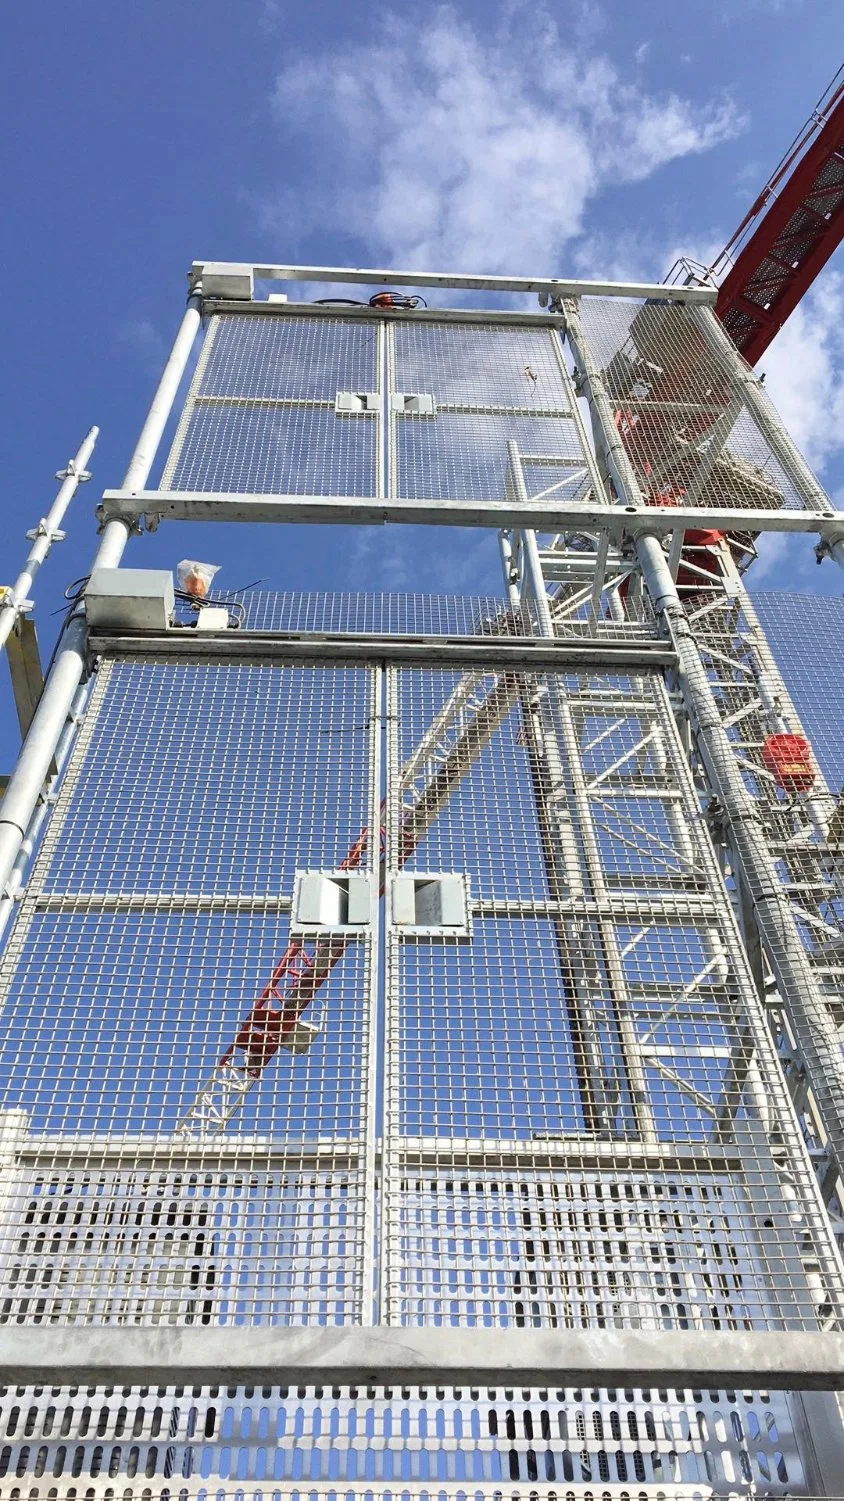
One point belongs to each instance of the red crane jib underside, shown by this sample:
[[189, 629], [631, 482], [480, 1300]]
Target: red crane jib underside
[[795, 239]]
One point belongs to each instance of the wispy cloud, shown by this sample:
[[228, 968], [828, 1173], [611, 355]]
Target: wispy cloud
[[466, 149], [804, 372], [143, 338]]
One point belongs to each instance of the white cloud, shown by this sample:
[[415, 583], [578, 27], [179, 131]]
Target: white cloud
[[147, 343], [642, 51], [804, 372], [449, 148]]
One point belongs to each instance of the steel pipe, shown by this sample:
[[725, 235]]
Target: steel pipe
[[46, 533], [33, 765]]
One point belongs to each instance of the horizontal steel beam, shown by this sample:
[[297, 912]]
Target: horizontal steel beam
[[542, 516], [503, 318], [501, 653], [554, 286], [545, 1151], [108, 1356]]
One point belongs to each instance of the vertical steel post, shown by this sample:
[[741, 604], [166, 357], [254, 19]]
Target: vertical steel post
[[45, 534], [565, 733], [813, 1026], [33, 764]]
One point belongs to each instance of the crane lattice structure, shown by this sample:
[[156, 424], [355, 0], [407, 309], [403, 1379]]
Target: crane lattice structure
[[428, 972]]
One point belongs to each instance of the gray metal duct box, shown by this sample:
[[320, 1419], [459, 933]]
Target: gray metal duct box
[[133, 599]]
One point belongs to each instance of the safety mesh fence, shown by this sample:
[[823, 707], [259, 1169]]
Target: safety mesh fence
[[599, 994], [298, 405], [780, 704], [681, 408], [806, 635], [156, 928], [580, 1121], [261, 415], [445, 615]]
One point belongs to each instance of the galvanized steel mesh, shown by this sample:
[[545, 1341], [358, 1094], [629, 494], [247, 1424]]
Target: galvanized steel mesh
[[806, 636], [681, 409], [260, 413], [260, 416], [575, 1130], [759, 695], [572, 1116]]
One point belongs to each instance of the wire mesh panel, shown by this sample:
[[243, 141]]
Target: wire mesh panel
[[154, 952], [262, 415], [806, 634], [460, 394], [583, 1110], [682, 412]]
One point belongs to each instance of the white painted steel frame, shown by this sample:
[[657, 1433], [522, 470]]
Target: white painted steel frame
[[199, 505], [550, 286], [421, 1357]]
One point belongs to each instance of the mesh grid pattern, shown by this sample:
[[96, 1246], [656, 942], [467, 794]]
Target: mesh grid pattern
[[381, 614], [611, 998], [157, 911], [681, 410], [804, 831], [491, 386], [259, 417], [598, 997], [806, 633]]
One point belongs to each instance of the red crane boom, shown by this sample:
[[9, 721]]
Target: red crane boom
[[789, 234]]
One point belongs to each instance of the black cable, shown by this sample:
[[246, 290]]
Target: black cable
[[197, 602]]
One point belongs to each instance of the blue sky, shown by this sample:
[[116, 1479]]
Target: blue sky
[[571, 139]]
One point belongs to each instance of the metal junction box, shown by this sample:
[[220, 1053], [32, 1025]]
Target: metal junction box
[[133, 599]]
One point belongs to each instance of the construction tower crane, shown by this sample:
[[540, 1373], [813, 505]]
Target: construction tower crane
[[787, 235], [783, 242]]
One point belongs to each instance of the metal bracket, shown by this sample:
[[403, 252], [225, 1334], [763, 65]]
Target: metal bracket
[[356, 403], [430, 905], [413, 403], [330, 899], [71, 472], [43, 530]]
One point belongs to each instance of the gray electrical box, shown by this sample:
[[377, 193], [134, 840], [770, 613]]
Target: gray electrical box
[[132, 599], [233, 282]]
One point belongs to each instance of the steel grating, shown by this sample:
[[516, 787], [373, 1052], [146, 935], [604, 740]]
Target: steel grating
[[490, 386], [599, 996], [260, 416], [599, 999], [215, 1443], [570, 1117]]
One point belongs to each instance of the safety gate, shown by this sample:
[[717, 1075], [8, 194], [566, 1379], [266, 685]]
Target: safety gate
[[550, 1103]]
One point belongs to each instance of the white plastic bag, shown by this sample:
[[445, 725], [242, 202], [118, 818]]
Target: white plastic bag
[[195, 578]]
